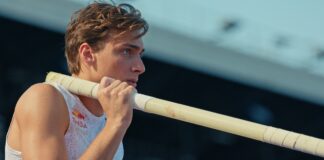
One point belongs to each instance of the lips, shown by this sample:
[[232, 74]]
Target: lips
[[132, 82]]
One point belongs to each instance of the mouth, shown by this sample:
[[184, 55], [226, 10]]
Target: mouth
[[132, 82]]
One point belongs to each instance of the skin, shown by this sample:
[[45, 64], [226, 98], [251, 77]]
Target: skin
[[35, 129]]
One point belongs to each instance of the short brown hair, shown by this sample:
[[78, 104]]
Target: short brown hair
[[96, 23]]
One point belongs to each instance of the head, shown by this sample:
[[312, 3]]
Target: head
[[105, 40]]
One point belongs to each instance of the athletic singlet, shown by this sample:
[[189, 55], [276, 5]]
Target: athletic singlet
[[83, 128]]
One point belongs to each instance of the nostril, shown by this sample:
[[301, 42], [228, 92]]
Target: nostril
[[139, 67]]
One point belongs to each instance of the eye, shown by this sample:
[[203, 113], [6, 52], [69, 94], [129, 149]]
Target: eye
[[126, 52]]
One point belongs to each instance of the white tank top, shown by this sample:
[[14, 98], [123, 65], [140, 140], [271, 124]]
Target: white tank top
[[83, 128]]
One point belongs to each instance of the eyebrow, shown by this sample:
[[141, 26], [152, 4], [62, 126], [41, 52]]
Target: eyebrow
[[134, 47]]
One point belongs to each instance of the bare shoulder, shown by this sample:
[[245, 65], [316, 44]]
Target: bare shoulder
[[43, 105]]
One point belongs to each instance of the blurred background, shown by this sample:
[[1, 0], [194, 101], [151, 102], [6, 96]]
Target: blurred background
[[261, 61]]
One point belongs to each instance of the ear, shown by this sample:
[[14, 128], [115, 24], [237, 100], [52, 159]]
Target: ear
[[86, 53]]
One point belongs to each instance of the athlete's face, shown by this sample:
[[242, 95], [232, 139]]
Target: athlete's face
[[119, 59], [122, 60]]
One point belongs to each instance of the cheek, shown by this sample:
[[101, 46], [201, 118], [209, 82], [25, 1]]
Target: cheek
[[122, 65], [118, 67]]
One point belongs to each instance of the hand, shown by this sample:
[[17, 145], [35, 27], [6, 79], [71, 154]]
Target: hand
[[116, 99]]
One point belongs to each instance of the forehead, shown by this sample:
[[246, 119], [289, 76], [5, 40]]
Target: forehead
[[129, 39]]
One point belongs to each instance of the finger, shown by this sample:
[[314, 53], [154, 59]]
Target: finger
[[129, 90], [105, 81], [114, 84], [121, 86], [128, 94]]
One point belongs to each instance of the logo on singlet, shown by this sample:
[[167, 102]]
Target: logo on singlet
[[78, 118]]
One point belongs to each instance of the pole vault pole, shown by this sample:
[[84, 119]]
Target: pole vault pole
[[259, 132]]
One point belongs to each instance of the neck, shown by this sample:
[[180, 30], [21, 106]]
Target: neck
[[92, 105]]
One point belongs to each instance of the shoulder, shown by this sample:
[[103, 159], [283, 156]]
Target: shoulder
[[43, 94], [41, 88], [42, 104]]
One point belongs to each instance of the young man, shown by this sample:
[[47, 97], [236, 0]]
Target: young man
[[103, 44]]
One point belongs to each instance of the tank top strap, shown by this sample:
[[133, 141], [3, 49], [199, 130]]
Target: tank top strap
[[69, 98]]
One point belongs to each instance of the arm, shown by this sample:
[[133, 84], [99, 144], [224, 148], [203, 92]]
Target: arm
[[115, 98], [106, 143], [42, 118]]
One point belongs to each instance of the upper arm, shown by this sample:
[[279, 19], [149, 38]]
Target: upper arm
[[42, 118]]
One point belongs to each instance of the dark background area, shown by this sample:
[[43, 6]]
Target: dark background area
[[28, 53]]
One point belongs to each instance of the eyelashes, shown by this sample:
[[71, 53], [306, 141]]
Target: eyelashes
[[130, 52]]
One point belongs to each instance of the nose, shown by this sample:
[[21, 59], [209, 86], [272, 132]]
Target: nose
[[138, 66]]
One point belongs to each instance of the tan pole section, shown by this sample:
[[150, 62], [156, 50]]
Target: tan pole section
[[204, 118]]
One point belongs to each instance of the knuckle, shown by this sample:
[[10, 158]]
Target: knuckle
[[113, 92], [124, 84], [104, 81], [104, 78], [127, 91], [131, 88], [117, 81], [122, 94], [105, 91]]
